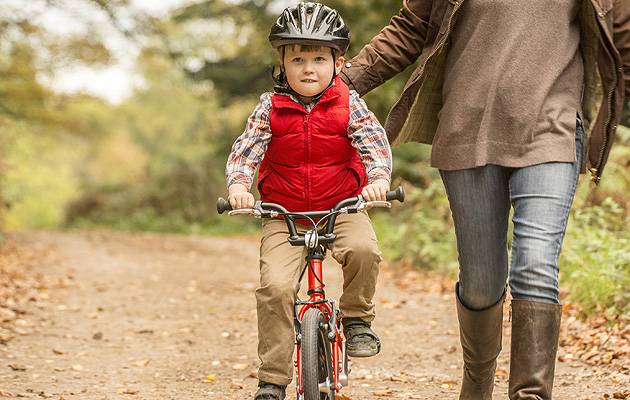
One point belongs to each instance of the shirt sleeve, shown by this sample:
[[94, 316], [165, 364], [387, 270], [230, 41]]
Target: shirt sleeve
[[369, 138], [249, 148]]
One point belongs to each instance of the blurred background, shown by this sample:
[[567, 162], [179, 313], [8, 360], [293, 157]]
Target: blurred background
[[120, 114]]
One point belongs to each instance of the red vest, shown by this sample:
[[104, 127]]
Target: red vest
[[310, 164]]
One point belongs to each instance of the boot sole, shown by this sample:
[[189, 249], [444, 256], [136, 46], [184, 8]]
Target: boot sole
[[364, 353]]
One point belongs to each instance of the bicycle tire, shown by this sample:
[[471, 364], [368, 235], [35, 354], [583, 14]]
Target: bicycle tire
[[316, 357]]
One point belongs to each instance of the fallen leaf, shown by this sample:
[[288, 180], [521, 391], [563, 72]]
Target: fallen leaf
[[383, 392], [142, 363], [209, 379], [127, 391], [17, 367]]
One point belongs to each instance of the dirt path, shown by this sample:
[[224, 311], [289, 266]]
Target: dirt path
[[152, 316]]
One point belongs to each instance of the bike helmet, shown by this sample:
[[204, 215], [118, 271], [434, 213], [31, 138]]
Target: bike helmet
[[310, 23]]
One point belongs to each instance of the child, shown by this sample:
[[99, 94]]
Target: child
[[320, 145]]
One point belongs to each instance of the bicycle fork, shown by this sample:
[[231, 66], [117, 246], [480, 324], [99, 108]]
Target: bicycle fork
[[335, 340]]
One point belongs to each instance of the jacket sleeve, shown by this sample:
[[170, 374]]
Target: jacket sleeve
[[398, 45], [621, 36]]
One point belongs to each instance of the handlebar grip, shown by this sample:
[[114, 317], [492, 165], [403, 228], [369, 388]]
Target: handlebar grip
[[223, 205], [397, 194]]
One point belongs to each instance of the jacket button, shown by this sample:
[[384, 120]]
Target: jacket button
[[348, 64], [614, 127]]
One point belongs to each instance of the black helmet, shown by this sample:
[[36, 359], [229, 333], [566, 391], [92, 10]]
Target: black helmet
[[310, 23]]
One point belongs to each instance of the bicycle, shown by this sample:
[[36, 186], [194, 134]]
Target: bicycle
[[322, 360]]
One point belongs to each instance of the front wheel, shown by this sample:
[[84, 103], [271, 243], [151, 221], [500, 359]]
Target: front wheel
[[317, 368]]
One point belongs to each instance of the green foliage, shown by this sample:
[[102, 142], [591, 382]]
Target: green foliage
[[420, 232], [163, 167], [39, 179], [225, 43], [22, 97], [38, 156], [595, 262]]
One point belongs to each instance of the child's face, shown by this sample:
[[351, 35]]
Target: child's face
[[310, 72]]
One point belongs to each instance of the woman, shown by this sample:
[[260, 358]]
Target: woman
[[512, 96]]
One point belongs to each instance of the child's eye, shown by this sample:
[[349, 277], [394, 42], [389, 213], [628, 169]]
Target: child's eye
[[297, 60], [320, 59]]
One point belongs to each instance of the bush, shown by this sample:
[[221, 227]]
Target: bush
[[595, 262], [38, 179], [420, 232]]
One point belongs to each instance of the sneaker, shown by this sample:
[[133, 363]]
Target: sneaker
[[361, 341], [270, 391]]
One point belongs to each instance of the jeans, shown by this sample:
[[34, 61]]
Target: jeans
[[480, 200]]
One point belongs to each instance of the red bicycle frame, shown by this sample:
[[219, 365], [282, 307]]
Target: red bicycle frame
[[317, 299]]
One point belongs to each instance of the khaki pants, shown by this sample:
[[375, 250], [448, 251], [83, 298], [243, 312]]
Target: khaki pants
[[355, 248]]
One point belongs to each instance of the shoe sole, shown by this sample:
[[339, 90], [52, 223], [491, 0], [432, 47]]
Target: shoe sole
[[363, 354]]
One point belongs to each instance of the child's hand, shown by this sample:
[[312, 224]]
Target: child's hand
[[239, 197], [376, 191]]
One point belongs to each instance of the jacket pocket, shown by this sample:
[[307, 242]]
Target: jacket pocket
[[361, 181]]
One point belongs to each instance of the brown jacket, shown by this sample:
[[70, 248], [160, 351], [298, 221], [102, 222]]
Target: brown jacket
[[421, 31]]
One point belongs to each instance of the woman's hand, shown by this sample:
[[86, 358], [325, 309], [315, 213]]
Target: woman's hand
[[376, 191], [240, 197]]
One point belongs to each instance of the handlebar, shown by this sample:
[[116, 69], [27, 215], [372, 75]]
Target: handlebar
[[397, 194], [348, 206]]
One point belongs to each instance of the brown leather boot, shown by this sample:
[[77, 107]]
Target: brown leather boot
[[535, 331], [480, 335]]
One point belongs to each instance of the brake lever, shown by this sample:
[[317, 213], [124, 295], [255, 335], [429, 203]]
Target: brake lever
[[246, 211], [366, 205], [255, 212]]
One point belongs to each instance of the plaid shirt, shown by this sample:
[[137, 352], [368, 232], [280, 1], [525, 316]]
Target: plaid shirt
[[365, 132]]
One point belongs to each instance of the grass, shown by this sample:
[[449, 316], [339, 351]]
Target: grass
[[595, 262], [594, 265]]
